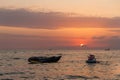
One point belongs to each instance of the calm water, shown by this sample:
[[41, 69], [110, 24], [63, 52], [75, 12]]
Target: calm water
[[72, 66]]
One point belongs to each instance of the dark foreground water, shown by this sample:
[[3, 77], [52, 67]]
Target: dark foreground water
[[72, 66]]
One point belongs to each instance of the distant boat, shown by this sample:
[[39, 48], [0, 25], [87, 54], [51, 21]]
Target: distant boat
[[44, 59], [107, 49]]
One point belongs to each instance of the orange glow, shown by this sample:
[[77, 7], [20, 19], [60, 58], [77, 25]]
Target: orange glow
[[81, 45], [65, 36]]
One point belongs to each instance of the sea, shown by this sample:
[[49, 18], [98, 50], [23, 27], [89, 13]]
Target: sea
[[14, 65]]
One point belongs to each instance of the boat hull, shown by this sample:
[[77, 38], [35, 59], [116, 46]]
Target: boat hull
[[44, 59], [92, 61]]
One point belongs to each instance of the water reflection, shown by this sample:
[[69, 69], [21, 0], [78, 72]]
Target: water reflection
[[90, 70]]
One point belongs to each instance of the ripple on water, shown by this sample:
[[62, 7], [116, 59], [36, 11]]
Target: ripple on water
[[12, 73], [6, 79], [81, 77]]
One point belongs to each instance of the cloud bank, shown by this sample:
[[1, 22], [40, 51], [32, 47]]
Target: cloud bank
[[18, 41], [106, 41], [53, 20]]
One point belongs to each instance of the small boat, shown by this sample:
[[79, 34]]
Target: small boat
[[44, 59], [107, 49], [92, 61]]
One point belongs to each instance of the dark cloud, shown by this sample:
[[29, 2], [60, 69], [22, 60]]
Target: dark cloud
[[116, 31], [52, 20], [114, 22], [109, 42], [19, 41], [25, 18], [115, 37], [99, 37], [113, 42], [7, 36]]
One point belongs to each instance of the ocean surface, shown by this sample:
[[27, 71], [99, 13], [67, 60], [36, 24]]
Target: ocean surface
[[72, 65]]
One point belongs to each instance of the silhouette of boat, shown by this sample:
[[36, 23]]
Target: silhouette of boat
[[107, 49], [44, 59], [92, 61]]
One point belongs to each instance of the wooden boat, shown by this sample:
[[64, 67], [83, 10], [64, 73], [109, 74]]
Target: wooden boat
[[44, 59]]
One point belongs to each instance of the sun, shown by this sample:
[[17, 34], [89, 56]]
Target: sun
[[81, 45]]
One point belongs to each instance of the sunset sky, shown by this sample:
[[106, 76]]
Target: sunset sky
[[59, 24]]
